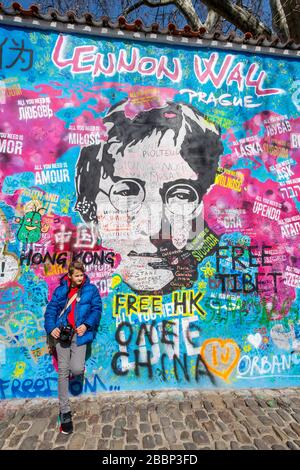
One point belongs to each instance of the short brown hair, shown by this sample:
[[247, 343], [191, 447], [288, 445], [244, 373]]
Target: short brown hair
[[76, 265]]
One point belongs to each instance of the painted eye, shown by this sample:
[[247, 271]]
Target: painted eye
[[182, 194], [127, 195], [125, 189], [182, 199], [36, 222], [28, 220]]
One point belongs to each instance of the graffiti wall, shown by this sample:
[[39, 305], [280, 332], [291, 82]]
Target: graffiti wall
[[173, 174]]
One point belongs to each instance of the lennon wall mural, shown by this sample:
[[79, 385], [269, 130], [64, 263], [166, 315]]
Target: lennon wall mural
[[173, 174]]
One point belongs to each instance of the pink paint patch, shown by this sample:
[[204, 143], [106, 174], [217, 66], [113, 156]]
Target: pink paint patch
[[146, 98], [47, 139], [170, 115], [55, 360], [262, 230]]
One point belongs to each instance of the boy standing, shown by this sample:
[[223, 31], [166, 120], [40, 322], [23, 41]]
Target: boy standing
[[71, 319]]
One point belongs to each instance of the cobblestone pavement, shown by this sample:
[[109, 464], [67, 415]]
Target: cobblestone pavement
[[176, 420]]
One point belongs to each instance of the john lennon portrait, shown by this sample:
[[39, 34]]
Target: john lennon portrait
[[143, 187]]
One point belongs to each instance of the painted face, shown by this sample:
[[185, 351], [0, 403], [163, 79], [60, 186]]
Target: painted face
[[30, 229], [76, 278], [151, 198]]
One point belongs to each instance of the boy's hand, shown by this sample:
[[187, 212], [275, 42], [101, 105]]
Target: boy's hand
[[55, 333], [81, 330]]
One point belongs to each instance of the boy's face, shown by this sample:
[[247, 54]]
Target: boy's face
[[76, 278]]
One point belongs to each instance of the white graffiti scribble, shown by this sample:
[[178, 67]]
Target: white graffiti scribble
[[23, 329], [283, 338], [62, 237], [296, 95], [9, 268], [86, 237], [290, 192]]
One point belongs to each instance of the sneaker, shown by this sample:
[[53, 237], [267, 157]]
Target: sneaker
[[66, 423]]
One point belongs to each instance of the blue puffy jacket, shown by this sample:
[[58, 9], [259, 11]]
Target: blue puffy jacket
[[88, 309]]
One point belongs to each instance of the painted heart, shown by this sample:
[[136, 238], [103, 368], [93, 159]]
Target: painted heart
[[255, 340], [220, 356]]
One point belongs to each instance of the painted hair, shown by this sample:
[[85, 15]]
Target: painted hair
[[197, 138]]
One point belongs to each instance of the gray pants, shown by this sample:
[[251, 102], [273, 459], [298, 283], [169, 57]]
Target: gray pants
[[71, 359]]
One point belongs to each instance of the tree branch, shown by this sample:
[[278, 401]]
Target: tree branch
[[211, 20], [148, 3], [185, 7], [241, 18], [279, 20], [291, 10], [189, 12]]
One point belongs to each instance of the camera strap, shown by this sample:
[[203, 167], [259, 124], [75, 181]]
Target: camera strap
[[71, 300]]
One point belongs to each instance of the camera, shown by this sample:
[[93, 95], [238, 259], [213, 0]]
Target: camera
[[66, 333]]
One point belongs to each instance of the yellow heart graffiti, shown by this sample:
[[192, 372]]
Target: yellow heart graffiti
[[220, 356]]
